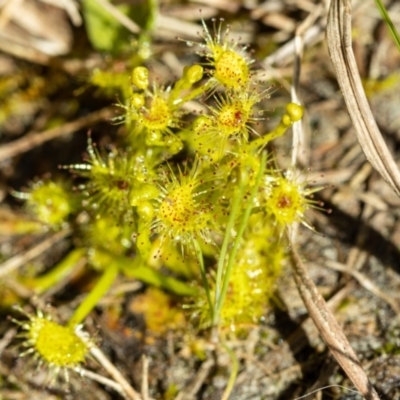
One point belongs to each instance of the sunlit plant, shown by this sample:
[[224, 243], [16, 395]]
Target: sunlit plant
[[190, 190]]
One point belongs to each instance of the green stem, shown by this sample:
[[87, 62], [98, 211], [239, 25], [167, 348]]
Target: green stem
[[193, 94], [294, 113], [389, 23], [238, 238], [264, 140], [137, 268], [92, 299], [199, 254], [59, 272], [221, 261], [234, 372]]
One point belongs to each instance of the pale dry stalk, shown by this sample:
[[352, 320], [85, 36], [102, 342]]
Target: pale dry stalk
[[329, 328], [338, 38]]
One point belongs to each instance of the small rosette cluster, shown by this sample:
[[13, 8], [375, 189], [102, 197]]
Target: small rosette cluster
[[51, 344]]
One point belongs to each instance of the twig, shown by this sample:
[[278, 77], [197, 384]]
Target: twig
[[20, 259], [119, 16], [37, 138], [365, 282], [178, 26], [101, 379], [191, 391], [307, 332], [114, 372], [70, 7], [6, 339], [338, 38], [7, 11], [145, 378], [71, 66], [329, 329], [285, 53]]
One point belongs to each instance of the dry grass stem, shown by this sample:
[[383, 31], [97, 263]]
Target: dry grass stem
[[70, 66], [19, 260], [114, 373], [285, 53], [145, 378], [338, 37], [119, 16], [329, 329], [34, 139], [101, 379], [300, 151], [7, 338], [364, 282], [193, 388], [296, 341]]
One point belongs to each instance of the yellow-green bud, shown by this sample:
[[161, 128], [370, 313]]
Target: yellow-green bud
[[193, 73], [295, 111], [145, 211], [287, 120], [137, 100], [140, 77]]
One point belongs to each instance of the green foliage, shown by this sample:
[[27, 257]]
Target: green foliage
[[182, 187], [104, 31]]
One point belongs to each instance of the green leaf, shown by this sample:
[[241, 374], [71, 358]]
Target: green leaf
[[136, 268], [104, 31], [388, 22]]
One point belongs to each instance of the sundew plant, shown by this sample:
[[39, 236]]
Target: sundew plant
[[198, 194]]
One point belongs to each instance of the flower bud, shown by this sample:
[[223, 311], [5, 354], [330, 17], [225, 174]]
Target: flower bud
[[140, 77]]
